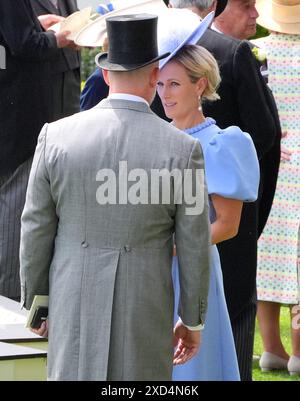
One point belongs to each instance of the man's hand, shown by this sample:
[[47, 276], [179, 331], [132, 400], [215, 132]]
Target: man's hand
[[48, 20], [43, 330], [187, 342], [62, 40]]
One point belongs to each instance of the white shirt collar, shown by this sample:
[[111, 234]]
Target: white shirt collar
[[213, 26], [127, 96]]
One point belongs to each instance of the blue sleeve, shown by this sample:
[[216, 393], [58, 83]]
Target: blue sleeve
[[95, 89], [232, 168]]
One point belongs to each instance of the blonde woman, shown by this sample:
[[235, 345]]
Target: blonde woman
[[190, 77]]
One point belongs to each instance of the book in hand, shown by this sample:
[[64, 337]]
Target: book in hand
[[74, 22], [38, 312]]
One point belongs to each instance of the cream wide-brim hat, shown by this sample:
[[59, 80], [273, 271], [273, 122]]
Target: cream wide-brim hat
[[279, 15], [94, 34], [74, 22], [178, 27]]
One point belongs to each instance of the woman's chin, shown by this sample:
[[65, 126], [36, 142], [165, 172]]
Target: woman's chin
[[169, 114]]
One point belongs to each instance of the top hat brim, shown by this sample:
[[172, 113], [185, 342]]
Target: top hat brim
[[267, 20], [192, 39], [101, 60], [221, 5]]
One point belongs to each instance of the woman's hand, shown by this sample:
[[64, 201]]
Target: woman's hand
[[285, 154]]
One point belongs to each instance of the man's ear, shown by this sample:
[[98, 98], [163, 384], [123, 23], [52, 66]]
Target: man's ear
[[214, 6], [106, 76], [154, 76]]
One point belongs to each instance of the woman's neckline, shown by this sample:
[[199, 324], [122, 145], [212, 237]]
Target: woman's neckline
[[208, 121]]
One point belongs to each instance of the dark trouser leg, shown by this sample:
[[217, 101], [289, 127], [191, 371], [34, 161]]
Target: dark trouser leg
[[243, 328], [12, 199]]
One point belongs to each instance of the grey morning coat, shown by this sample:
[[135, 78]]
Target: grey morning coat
[[107, 268]]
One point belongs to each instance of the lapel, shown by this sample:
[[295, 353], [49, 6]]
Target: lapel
[[71, 5], [47, 6]]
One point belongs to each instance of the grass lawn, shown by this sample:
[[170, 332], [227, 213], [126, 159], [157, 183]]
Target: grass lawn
[[280, 375]]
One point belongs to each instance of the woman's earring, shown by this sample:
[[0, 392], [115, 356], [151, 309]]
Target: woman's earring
[[200, 103]]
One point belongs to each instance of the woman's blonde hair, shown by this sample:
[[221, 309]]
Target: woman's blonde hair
[[199, 63]]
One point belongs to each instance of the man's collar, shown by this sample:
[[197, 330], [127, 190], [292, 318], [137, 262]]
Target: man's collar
[[116, 102], [214, 28], [127, 96]]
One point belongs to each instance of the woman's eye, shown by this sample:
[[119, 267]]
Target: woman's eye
[[159, 84], [174, 83]]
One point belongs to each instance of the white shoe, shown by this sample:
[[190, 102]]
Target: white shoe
[[294, 366], [270, 361]]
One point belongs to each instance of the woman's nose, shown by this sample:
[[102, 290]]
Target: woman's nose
[[166, 92]]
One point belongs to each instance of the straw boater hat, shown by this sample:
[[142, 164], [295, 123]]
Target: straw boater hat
[[93, 35], [279, 15]]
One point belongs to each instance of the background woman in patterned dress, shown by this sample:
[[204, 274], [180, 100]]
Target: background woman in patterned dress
[[278, 252]]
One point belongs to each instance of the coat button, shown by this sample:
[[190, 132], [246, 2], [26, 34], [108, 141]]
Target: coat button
[[84, 244], [127, 248]]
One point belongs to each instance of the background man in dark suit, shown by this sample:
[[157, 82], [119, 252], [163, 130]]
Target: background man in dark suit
[[245, 13], [65, 69], [246, 102], [24, 108]]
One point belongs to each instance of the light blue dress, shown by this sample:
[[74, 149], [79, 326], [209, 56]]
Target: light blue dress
[[232, 171]]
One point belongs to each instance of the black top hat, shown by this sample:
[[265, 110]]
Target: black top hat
[[132, 43], [221, 4]]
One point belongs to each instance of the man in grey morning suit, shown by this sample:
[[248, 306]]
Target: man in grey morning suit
[[107, 265]]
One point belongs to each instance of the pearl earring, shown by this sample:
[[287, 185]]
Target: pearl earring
[[200, 104]]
